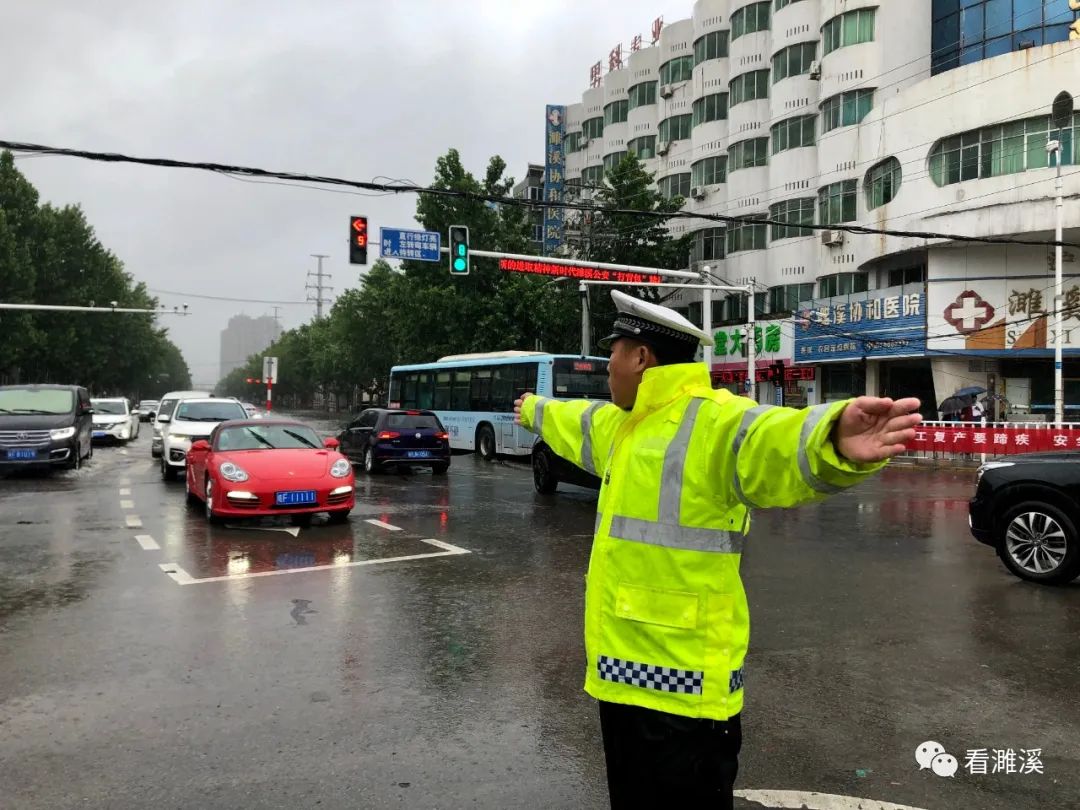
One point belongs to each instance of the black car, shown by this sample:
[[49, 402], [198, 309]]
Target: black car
[[1028, 508], [387, 437], [45, 426], [549, 470]]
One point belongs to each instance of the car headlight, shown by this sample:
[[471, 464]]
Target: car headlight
[[62, 433], [230, 472], [340, 468]]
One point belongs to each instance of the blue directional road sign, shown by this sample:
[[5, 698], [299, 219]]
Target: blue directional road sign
[[422, 246]]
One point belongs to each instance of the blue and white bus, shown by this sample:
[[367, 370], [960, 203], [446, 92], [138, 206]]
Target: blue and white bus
[[473, 394]]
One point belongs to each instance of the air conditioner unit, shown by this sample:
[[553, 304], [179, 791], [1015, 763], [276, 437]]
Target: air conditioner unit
[[698, 192], [663, 148], [832, 238], [815, 69], [667, 91]]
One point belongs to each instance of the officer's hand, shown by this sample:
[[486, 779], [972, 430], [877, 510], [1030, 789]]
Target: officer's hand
[[874, 429], [517, 406]]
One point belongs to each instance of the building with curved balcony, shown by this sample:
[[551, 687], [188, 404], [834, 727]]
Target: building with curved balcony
[[931, 116]]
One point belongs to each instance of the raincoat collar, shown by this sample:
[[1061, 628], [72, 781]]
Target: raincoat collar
[[662, 385]]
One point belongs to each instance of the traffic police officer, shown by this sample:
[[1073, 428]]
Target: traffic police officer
[[682, 465]]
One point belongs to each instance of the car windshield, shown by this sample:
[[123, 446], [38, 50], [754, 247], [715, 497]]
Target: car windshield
[[412, 421], [209, 411], [36, 401], [166, 407], [267, 437], [147, 404], [581, 379], [109, 406]]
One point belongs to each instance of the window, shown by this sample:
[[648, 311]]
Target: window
[[534, 193], [459, 394], [836, 202], [51, 401], [573, 188], [794, 60], [708, 245], [749, 19], [797, 212], [711, 46], [679, 69], [793, 133], [748, 86], [592, 176], [612, 160], [577, 379], [851, 28], [643, 147], [710, 108], [779, 4], [747, 154], [572, 142], [674, 185], [843, 284], [745, 235], [676, 128], [1017, 146], [882, 183], [642, 94], [480, 392], [709, 172], [903, 276], [787, 298], [846, 109], [593, 128], [615, 112]]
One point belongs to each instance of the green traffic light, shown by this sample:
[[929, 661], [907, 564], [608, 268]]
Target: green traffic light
[[459, 264]]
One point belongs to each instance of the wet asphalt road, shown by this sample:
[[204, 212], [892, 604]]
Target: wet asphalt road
[[447, 680]]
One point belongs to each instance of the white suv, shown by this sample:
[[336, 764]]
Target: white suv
[[164, 413], [193, 419]]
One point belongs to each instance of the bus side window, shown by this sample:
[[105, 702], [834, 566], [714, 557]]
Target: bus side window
[[425, 392], [459, 400], [524, 379], [408, 393], [443, 386], [480, 396], [395, 388], [502, 386]]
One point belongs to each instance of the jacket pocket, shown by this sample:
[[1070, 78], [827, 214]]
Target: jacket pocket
[[654, 606]]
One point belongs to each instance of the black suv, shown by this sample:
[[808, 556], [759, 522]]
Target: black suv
[[44, 426], [549, 470], [383, 437], [1027, 507]]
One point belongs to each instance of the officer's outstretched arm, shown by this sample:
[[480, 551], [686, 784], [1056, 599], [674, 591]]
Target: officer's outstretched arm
[[784, 456], [580, 431]]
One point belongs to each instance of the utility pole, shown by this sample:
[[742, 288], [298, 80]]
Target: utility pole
[[319, 286], [1062, 113], [277, 322]]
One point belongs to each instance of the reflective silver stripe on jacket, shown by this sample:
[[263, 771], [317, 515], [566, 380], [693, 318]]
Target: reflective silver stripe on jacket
[[667, 530], [749, 417], [538, 417], [586, 437], [817, 413], [599, 520]]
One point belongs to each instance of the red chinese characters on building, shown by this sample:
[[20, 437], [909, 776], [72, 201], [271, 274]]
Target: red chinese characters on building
[[595, 73], [657, 25], [635, 43], [615, 58]]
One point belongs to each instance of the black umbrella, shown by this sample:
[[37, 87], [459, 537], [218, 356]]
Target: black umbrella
[[954, 404], [970, 391]]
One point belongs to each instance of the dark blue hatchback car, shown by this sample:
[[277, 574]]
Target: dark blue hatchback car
[[386, 437]]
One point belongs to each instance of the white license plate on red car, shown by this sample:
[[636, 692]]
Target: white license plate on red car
[[301, 497]]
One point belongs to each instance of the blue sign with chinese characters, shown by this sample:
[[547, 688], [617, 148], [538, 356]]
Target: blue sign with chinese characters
[[422, 246], [878, 323], [554, 176]]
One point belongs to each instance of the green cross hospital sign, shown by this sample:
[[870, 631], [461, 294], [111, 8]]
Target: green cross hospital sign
[[731, 342]]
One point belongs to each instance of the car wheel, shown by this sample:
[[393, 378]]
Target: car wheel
[[371, 466], [90, 452], [167, 472], [439, 469], [154, 453], [211, 516], [543, 477], [340, 516], [1038, 542], [76, 464], [485, 443]]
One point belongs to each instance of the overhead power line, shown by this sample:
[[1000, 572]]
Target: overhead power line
[[251, 171]]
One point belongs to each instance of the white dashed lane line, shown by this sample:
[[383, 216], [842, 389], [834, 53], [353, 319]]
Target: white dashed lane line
[[125, 491], [133, 522], [127, 504], [382, 525], [147, 542]]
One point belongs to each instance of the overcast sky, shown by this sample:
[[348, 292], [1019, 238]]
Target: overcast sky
[[351, 88]]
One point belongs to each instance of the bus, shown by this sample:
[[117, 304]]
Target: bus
[[473, 394]]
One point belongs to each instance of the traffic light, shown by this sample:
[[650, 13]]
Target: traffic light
[[459, 250], [776, 372], [358, 240]]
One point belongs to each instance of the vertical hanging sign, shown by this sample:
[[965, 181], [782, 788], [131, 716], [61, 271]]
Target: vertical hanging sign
[[554, 177]]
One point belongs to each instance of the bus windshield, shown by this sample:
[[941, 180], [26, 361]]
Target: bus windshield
[[581, 379]]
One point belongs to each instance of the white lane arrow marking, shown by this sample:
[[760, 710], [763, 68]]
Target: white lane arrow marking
[[382, 525], [809, 800]]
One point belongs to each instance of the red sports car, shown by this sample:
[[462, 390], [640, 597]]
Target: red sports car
[[269, 467]]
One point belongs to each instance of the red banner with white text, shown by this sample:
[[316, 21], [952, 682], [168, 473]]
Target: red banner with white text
[[994, 440]]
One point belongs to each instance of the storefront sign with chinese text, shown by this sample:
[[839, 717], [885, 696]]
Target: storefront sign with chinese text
[[554, 177], [879, 323]]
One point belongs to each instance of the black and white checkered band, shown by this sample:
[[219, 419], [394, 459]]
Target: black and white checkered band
[[735, 682], [631, 324], [649, 676]]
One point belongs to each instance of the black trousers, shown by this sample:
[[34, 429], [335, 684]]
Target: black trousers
[[655, 759]]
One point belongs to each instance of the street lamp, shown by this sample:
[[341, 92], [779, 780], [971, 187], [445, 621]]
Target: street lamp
[[1061, 114]]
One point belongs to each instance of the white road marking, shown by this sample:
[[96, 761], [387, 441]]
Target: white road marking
[[125, 482], [125, 490], [127, 504], [293, 530], [147, 542], [134, 522], [182, 577], [123, 452], [382, 525], [808, 800]]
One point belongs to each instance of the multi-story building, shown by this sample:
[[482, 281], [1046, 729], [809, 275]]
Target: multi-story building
[[245, 336], [926, 116], [531, 187]]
